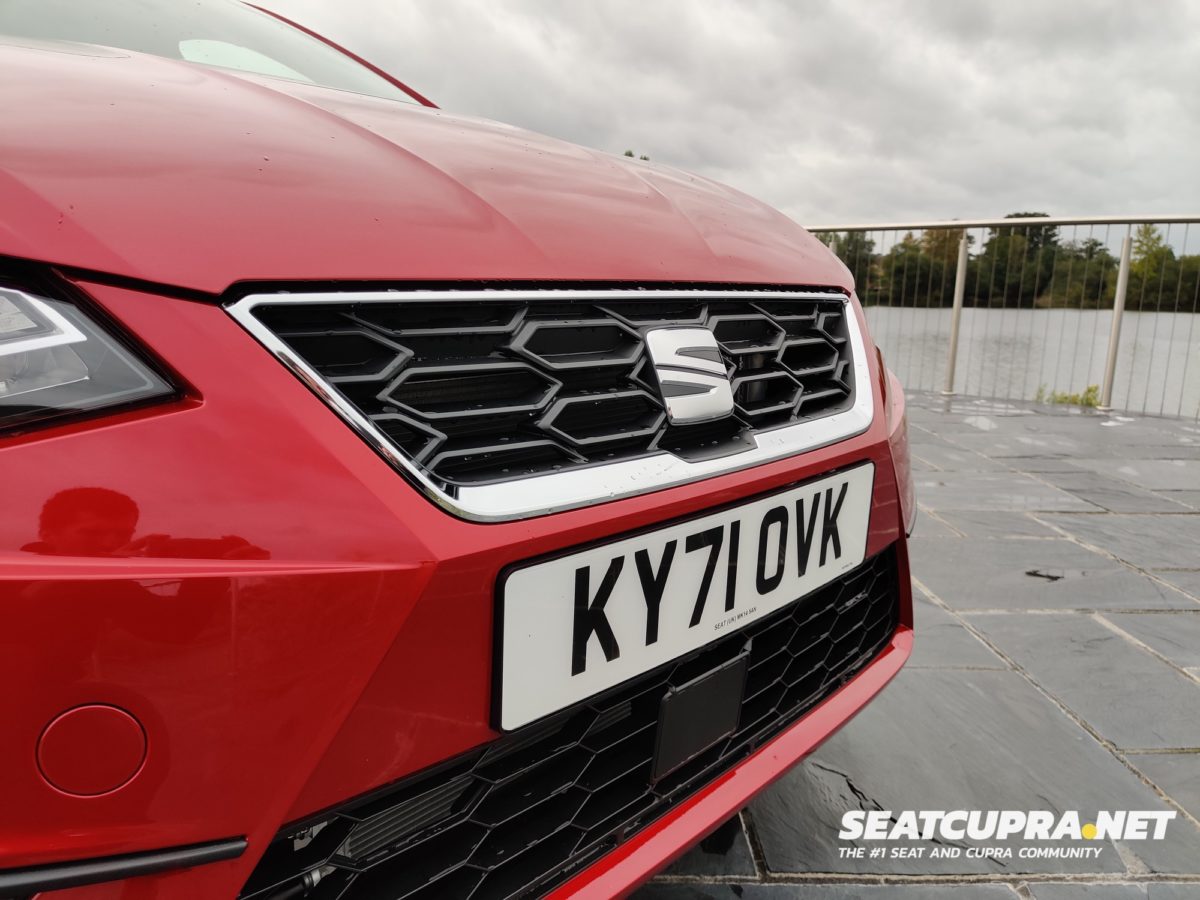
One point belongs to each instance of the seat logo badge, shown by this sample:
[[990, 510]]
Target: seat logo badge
[[691, 374]]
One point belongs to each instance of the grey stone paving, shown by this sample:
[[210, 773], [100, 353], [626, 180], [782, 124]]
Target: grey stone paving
[[1175, 774], [945, 641], [1186, 581], [1054, 573], [752, 891], [1152, 542], [1057, 666], [1147, 891], [1177, 637], [984, 524], [1127, 695]]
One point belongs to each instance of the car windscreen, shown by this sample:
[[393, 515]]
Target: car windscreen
[[221, 33]]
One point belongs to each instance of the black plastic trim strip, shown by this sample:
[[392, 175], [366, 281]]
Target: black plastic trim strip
[[55, 876]]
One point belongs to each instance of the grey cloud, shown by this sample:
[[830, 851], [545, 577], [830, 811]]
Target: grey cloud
[[854, 110]]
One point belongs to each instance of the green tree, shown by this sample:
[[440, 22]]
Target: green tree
[[905, 274], [1038, 236], [1150, 251], [1093, 248], [940, 246], [1155, 275], [1016, 264], [999, 268], [1187, 293], [1084, 276], [857, 251]]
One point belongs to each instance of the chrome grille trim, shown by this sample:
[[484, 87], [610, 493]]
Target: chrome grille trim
[[543, 494]]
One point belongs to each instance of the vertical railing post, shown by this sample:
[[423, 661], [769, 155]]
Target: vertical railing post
[[960, 289], [1114, 333]]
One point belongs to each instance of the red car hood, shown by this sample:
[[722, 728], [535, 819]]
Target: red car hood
[[179, 174]]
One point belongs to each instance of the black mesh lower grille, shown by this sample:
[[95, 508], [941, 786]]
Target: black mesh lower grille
[[479, 391], [521, 815]]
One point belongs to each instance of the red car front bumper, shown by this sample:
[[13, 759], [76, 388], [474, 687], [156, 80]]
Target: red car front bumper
[[640, 857], [290, 624]]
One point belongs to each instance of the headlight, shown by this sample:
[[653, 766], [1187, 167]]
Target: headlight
[[56, 360]]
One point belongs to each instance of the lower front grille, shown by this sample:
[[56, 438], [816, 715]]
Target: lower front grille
[[521, 815]]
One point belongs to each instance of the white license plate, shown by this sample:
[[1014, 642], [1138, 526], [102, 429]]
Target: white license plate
[[587, 621]]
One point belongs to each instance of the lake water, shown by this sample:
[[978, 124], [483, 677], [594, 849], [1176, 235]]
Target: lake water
[[1011, 353]]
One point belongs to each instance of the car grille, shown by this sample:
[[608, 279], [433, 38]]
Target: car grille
[[522, 814], [475, 391]]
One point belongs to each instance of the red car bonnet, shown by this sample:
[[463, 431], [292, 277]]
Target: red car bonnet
[[196, 177]]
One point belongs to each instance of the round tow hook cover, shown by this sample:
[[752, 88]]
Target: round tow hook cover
[[91, 750]]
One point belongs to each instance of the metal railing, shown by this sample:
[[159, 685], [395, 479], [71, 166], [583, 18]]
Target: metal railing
[[1098, 311]]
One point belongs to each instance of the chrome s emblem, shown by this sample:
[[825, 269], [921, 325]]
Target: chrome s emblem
[[691, 374]]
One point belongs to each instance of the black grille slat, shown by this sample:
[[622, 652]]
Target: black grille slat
[[525, 813], [406, 819], [494, 390]]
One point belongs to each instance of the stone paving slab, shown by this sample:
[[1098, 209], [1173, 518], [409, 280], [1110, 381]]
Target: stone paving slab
[[994, 524], [1177, 774], [1040, 464], [955, 739], [1175, 635], [1155, 473], [946, 457], [1128, 696], [1186, 581], [1045, 432], [1152, 891], [1112, 494], [827, 892], [1188, 498], [992, 490], [1103, 447], [934, 526], [1149, 542], [943, 642], [919, 465], [892, 891], [1041, 574], [1001, 446]]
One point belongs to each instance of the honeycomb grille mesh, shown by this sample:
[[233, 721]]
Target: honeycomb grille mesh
[[476, 392], [521, 815]]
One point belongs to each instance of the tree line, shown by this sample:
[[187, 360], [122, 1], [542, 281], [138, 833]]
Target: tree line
[[1028, 266]]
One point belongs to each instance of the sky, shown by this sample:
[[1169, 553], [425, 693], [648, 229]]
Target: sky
[[833, 112]]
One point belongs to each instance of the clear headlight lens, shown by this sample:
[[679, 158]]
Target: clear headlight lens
[[56, 361]]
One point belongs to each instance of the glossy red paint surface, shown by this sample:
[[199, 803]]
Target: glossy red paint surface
[[196, 177], [901, 457], [290, 622]]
